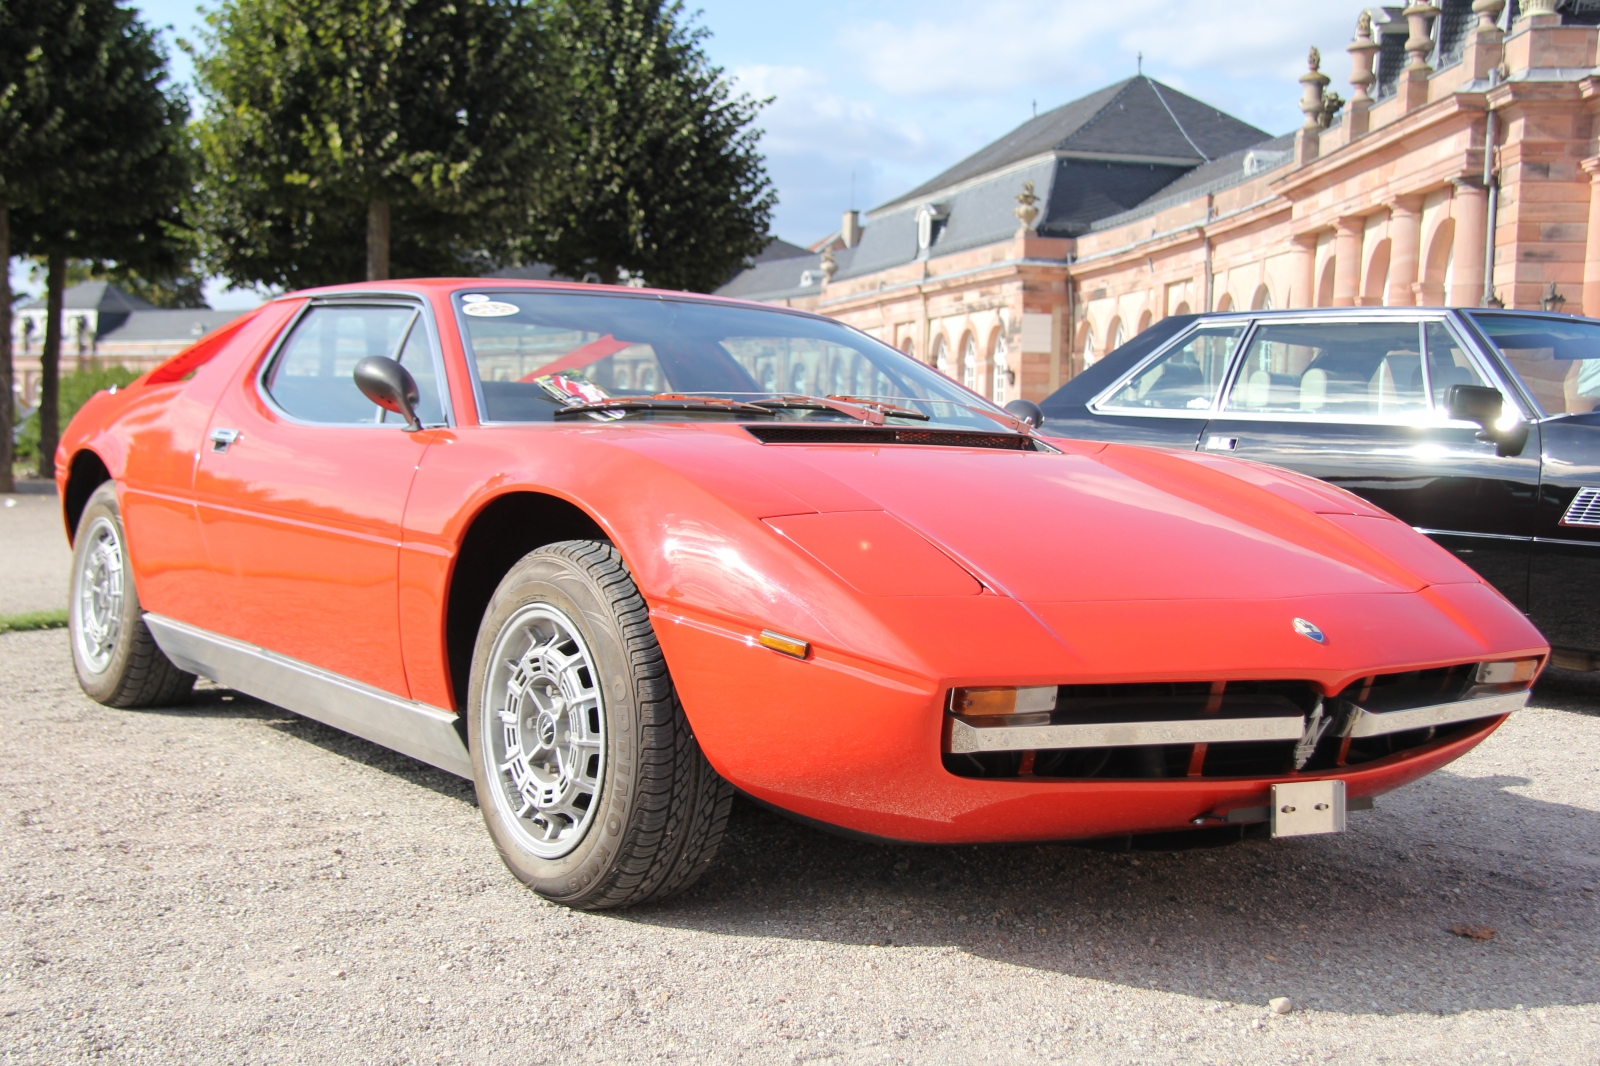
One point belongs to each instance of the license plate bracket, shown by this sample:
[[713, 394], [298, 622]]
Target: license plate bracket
[[1305, 808]]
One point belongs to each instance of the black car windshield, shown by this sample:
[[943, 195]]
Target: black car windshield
[[537, 352], [1558, 359]]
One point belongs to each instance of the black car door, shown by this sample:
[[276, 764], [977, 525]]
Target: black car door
[[1358, 401], [1557, 360], [1161, 400]]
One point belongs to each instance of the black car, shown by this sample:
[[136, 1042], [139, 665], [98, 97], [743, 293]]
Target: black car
[[1478, 427]]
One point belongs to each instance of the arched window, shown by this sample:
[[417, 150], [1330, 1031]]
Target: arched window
[[1182, 308], [940, 355], [1005, 378], [1226, 303], [1262, 301], [969, 360], [1118, 339], [1086, 346], [1144, 323], [1375, 293], [1325, 286]]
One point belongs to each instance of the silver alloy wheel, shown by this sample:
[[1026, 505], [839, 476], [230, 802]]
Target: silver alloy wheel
[[544, 730], [97, 595]]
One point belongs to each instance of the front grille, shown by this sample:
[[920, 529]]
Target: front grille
[[948, 438], [1202, 700], [1584, 509]]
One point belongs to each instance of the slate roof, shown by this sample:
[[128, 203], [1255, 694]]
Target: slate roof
[[1110, 155], [1137, 119], [161, 326], [94, 296]]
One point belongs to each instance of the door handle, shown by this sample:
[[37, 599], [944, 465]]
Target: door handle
[[221, 438]]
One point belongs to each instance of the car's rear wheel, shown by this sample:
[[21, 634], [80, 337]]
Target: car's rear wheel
[[117, 660], [588, 776]]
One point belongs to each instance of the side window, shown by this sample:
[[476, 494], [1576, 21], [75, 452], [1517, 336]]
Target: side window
[[1448, 363], [1334, 368], [1185, 378], [310, 379], [1557, 359], [417, 356]]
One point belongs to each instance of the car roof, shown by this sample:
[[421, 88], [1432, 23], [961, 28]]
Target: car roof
[[1089, 384], [447, 286]]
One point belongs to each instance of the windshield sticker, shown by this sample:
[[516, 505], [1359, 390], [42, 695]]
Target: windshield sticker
[[489, 309], [574, 391], [474, 298]]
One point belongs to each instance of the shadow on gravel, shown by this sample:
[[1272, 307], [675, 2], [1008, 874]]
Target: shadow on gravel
[[1358, 923], [213, 701]]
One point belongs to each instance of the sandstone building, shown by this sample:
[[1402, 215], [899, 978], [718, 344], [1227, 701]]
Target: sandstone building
[[1018, 266]]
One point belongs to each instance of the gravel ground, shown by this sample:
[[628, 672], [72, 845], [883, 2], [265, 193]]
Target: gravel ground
[[225, 882], [34, 557]]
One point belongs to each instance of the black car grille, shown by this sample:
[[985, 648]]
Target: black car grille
[[1194, 700], [948, 438]]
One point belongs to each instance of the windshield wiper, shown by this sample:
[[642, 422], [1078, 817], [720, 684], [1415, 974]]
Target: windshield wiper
[[870, 411], [619, 406]]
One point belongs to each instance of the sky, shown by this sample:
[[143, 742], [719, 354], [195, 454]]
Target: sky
[[872, 97]]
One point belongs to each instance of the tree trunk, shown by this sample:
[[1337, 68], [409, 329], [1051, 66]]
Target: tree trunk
[[8, 402], [50, 366], [377, 241]]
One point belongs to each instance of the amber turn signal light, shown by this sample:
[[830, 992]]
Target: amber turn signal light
[[1512, 672], [987, 701], [788, 645]]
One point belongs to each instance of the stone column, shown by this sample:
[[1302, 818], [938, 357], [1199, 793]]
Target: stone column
[[1414, 82], [1471, 212], [1591, 252], [1347, 261], [1308, 140], [1405, 249], [1362, 52], [1303, 278], [1486, 47]]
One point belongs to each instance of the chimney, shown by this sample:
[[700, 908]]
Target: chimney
[[850, 231]]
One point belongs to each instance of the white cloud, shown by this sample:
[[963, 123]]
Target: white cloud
[[806, 115], [947, 51]]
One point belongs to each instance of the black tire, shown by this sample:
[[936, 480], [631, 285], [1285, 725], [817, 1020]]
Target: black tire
[[656, 810], [117, 660]]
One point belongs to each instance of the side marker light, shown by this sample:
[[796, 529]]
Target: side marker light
[[987, 701], [788, 645], [1515, 671]]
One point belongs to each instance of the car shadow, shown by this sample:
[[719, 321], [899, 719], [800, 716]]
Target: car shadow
[[1357, 923]]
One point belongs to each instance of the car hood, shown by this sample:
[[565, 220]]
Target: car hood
[[1117, 523]]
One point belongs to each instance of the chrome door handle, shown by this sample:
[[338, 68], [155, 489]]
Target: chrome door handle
[[221, 438]]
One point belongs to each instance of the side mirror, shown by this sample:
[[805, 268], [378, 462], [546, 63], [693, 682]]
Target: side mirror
[[390, 386], [1026, 411], [1483, 405]]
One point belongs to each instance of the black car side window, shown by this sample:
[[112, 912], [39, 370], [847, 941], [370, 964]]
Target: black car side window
[[1184, 378], [310, 378], [1368, 369]]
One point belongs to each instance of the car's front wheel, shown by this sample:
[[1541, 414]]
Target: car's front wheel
[[588, 776], [117, 660]]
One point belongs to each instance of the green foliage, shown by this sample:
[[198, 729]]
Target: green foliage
[[76, 389], [21, 623], [314, 109], [115, 186], [656, 170]]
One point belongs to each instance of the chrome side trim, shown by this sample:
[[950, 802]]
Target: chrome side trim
[[965, 737], [413, 729], [1369, 724]]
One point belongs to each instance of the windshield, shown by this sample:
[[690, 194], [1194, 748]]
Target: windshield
[[535, 353], [1558, 359]]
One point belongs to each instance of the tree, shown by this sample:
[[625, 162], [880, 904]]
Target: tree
[[333, 126], [35, 129], [656, 170], [120, 179], [183, 287]]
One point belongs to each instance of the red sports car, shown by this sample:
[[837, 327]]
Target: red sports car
[[614, 553]]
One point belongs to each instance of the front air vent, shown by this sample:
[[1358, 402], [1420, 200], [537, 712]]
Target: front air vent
[[948, 438], [1585, 509]]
